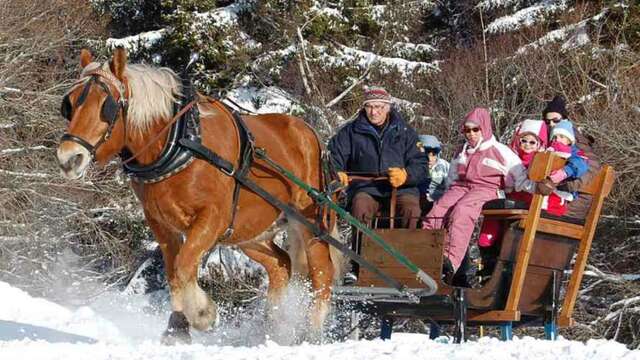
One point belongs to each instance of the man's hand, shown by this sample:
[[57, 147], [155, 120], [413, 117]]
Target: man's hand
[[397, 176], [545, 187], [344, 178]]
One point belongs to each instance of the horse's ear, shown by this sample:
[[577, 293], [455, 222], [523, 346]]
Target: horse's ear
[[118, 62], [85, 58]]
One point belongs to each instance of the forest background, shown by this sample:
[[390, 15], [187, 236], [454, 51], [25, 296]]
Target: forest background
[[439, 59]]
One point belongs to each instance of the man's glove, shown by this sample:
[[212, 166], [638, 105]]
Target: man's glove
[[343, 178], [397, 176], [545, 187]]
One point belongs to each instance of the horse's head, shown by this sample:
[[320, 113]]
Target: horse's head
[[96, 108]]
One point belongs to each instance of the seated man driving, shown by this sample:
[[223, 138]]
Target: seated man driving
[[380, 142]]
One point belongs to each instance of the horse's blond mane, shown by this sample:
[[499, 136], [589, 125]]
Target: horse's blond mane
[[152, 93]]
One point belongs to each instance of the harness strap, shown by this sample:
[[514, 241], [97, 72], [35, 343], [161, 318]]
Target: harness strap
[[215, 160], [78, 140], [176, 117], [247, 147], [99, 72]]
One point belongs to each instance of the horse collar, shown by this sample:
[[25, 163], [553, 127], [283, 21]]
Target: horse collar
[[173, 158]]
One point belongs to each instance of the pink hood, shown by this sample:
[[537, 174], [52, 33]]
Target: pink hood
[[482, 118], [490, 165]]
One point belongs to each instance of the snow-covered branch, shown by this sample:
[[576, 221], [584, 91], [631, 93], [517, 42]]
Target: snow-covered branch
[[348, 90], [25, 174], [527, 16], [23, 149], [137, 42]]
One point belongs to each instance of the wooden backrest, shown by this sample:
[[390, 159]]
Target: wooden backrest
[[542, 165], [602, 181], [601, 187], [595, 184]]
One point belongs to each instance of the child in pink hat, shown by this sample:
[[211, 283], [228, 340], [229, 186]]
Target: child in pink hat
[[530, 138]]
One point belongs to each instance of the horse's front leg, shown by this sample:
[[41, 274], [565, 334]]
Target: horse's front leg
[[169, 242], [197, 306]]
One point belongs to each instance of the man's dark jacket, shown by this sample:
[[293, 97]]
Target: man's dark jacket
[[359, 147]]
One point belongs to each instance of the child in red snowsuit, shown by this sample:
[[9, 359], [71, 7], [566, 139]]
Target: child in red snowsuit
[[530, 138]]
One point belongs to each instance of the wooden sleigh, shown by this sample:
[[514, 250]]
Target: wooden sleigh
[[525, 286]]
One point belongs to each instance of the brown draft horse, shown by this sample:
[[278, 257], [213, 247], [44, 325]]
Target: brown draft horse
[[188, 211]]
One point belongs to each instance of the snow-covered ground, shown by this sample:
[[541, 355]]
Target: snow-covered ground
[[128, 327]]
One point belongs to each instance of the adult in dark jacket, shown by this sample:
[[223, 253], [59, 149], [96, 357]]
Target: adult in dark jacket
[[380, 142], [554, 112]]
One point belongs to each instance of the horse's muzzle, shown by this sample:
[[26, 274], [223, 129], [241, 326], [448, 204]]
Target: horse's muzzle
[[73, 160]]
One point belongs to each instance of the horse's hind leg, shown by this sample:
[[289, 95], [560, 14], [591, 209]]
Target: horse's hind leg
[[169, 242], [277, 264]]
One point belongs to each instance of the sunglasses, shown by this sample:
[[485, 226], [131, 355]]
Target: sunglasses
[[554, 120], [470, 130], [430, 150], [530, 142]]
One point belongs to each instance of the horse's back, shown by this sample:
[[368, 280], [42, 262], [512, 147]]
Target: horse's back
[[288, 140], [268, 127]]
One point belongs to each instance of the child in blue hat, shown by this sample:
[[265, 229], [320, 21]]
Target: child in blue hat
[[563, 144], [438, 169]]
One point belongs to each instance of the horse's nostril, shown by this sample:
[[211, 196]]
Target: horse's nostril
[[76, 160], [71, 163]]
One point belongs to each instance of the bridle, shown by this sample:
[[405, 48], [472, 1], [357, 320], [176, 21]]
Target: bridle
[[109, 112]]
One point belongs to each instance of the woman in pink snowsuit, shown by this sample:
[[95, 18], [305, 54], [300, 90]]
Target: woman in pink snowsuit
[[477, 174]]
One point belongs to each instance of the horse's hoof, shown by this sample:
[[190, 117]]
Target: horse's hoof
[[170, 339], [199, 308], [177, 331]]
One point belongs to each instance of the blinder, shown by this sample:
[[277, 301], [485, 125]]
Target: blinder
[[66, 109], [109, 110]]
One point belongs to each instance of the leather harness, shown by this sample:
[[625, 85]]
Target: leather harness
[[175, 155]]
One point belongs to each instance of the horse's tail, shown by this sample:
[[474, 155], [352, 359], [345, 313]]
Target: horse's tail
[[326, 218], [330, 218], [338, 259]]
